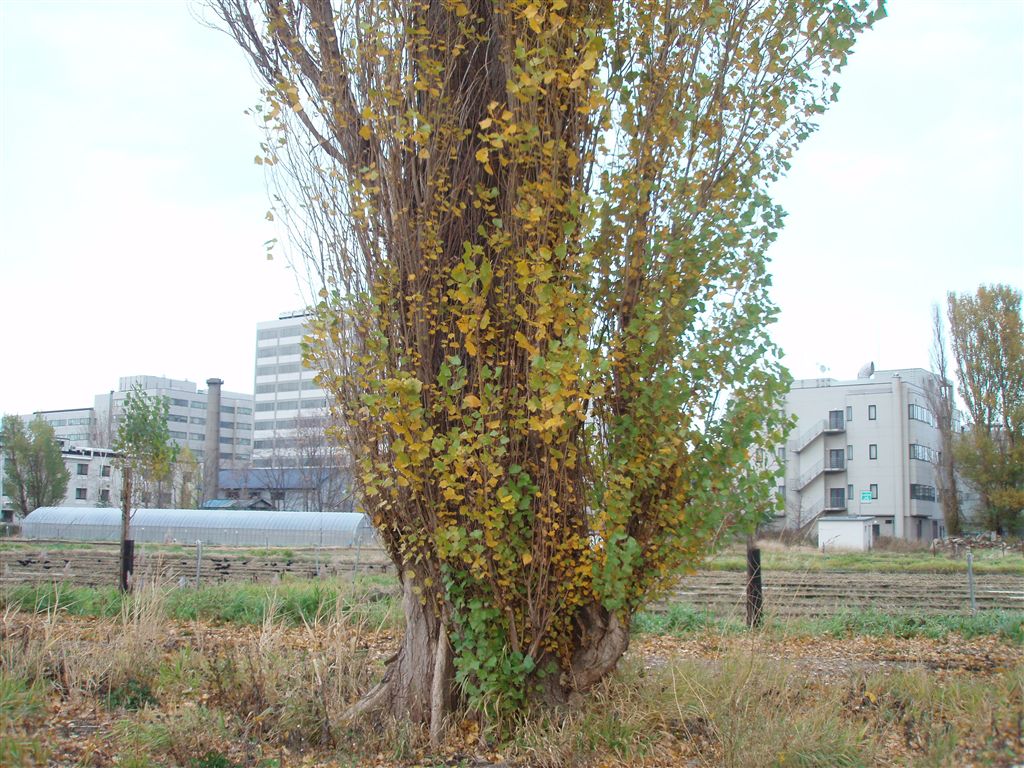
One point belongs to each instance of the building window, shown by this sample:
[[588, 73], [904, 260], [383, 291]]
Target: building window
[[177, 418], [872, 413], [266, 333], [81, 494], [244, 411], [836, 498], [176, 435], [227, 409], [874, 490], [281, 351], [197, 420], [872, 451], [182, 403], [922, 492], [83, 469], [196, 436], [849, 413], [835, 458], [849, 453], [849, 492], [780, 454], [105, 496], [835, 420], [920, 413], [105, 472], [923, 453], [197, 404]]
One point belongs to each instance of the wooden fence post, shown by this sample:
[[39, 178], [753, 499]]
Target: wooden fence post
[[755, 595]]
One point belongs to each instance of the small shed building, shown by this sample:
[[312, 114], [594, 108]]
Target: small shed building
[[228, 527], [849, 532]]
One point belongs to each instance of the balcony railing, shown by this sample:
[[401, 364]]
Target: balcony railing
[[835, 503], [807, 437], [835, 464], [836, 423], [805, 478]]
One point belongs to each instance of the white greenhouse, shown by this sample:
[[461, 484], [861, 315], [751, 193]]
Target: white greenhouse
[[211, 526]]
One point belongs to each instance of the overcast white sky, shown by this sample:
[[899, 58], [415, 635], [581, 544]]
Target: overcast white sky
[[132, 215]]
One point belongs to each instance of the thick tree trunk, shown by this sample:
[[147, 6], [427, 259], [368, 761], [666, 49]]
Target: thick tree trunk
[[418, 684], [603, 639]]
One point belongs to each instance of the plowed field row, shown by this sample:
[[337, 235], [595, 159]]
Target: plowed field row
[[786, 593]]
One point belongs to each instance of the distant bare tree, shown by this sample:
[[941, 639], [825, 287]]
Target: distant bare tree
[[322, 465], [941, 402], [308, 470]]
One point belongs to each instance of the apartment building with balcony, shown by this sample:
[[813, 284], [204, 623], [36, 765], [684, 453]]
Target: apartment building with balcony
[[864, 447], [95, 479]]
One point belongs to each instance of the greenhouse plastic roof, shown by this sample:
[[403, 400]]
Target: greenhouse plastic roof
[[200, 518]]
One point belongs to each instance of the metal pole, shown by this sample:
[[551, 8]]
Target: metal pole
[[970, 580], [359, 544], [199, 559]]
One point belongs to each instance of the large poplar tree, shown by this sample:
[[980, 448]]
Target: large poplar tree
[[34, 471], [987, 334], [538, 231]]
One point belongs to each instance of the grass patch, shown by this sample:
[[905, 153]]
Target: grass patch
[[106, 602], [1007, 625], [22, 704], [776, 557], [132, 694], [679, 620], [368, 600]]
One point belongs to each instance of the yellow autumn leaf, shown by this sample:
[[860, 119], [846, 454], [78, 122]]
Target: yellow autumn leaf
[[527, 558], [471, 400], [481, 155]]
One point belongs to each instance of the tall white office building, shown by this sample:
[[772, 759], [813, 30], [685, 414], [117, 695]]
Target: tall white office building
[[288, 403]]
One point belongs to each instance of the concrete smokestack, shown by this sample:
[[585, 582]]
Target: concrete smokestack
[[211, 446]]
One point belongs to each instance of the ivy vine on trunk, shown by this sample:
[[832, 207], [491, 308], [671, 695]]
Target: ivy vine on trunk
[[537, 229]]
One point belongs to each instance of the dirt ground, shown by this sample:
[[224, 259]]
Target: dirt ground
[[81, 726]]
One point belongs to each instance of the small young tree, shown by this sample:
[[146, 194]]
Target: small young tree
[[186, 477], [538, 231], [941, 401], [34, 470], [987, 333], [145, 453]]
